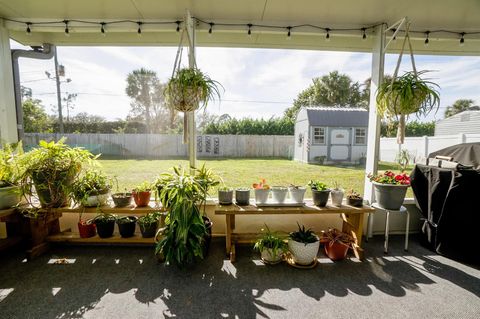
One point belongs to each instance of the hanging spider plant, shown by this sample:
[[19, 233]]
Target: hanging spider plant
[[405, 95]]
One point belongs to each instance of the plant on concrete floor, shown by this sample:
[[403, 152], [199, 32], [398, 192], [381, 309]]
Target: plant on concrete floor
[[272, 242], [303, 235]]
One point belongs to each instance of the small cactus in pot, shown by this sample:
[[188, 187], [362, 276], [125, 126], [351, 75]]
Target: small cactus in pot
[[337, 194]]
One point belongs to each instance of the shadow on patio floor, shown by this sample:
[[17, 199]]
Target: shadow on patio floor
[[126, 282]]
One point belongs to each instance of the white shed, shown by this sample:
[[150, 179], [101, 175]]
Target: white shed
[[331, 135], [466, 122]]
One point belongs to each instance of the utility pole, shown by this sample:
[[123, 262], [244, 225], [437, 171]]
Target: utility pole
[[59, 94]]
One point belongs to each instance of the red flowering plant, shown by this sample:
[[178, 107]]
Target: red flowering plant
[[391, 178]]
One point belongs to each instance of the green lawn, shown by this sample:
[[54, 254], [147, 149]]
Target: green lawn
[[243, 172]]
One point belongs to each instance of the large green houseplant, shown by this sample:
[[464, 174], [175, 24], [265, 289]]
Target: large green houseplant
[[185, 232], [11, 171], [50, 170]]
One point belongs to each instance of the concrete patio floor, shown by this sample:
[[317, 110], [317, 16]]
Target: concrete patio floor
[[127, 282]]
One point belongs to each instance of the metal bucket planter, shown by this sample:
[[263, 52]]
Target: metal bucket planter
[[9, 196], [225, 197], [122, 199], [320, 198], [303, 254], [242, 196], [337, 197], [390, 196], [261, 195], [297, 194], [100, 199], [279, 194]]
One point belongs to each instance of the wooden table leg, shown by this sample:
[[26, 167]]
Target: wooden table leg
[[228, 235], [353, 225]]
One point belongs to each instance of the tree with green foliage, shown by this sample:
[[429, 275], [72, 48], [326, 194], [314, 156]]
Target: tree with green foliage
[[35, 119], [333, 89], [249, 126], [459, 106], [414, 128]]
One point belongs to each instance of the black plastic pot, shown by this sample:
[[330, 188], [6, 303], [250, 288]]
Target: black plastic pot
[[320, 198], [105, 228], [148, 230], [208, 235], [242, 197], [122, 199], [126, 226], [355, 202]]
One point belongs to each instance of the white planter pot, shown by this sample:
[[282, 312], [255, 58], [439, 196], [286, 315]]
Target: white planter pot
[[303, 254], [269, 256], [337, 197], [279, 194], [261, 195], [9, 196], [96, 200], [297, 194]]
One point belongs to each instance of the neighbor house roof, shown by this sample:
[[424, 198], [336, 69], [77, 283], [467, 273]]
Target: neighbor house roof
[[337, 116]]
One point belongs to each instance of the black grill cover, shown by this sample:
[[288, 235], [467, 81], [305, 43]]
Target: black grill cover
[[449, 200]]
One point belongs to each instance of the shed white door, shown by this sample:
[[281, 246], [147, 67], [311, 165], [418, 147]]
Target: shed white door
[[340, 144]]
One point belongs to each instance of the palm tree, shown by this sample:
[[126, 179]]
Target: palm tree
[[460, 106]]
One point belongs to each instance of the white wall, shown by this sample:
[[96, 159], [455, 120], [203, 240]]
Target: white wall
[[420, 147], [467, 122], [301, 127]]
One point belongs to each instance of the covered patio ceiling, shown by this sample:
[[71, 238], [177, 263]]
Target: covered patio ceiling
[[426, 15]]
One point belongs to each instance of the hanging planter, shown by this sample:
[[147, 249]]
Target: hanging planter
[[407, 94]]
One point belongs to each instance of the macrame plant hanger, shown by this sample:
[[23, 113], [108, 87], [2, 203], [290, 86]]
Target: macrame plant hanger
[[176, 68], [401, 117]]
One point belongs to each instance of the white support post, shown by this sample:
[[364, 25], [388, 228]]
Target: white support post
[[373, 144], [8, 116], [192, 131]]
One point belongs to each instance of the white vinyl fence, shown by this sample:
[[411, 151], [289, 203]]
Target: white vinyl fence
[[167, 146], [420, 147]]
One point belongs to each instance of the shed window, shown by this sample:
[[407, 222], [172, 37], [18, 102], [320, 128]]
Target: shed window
[[360, 136], [318, 135]]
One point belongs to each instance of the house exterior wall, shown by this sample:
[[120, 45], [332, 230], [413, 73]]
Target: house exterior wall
[[467, 122]]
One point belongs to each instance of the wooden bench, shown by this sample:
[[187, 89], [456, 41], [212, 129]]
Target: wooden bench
[[352, 220]]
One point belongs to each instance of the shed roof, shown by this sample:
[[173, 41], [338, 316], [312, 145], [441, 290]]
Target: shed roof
[[337, 116]]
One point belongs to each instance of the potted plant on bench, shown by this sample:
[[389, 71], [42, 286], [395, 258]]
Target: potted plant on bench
[[262, 191], [354, 199], [142, 193], [148, 224], [303, 244], [126, 225], [105, 224], [337, 195], [10, 175], [297, 193], [271, 246], [320, 193], [336, 243], [225, 195], [92, 189]]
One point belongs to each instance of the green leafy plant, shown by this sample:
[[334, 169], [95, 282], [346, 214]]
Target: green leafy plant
[[225, 189], [11, 168], [149, 219], [271, 240], [92, 183], [317, 185], [334, 235], [403, 159], [336, 186], [391, 178], [51, 169], [125, 220], [104, 218], [145, 186], [303, 235], [190, 84]]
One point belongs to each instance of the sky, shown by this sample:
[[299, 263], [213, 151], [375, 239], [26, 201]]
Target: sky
[[258, 82]]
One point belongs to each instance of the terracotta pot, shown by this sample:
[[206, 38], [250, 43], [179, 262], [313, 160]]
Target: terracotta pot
[[336, 250], [86, 228], [142, 199]]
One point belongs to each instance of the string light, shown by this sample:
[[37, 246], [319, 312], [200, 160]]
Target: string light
[[394, 37], [178, 25], [210, 29], [28, 30], [289, 33], [249, 32], [364, 34], [139, 30], [67, 30], [427, 41], [462, 39], [102, 28], [327, 37]]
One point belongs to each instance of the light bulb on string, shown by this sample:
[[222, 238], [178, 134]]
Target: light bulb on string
[[102, 28], [249, 32], [427, 40], [139, 30], [178, 25], [210, 30], [289, 33], [364, 34], [394, 36], [462, 39], [67, 30], [28, 30], [327, 36]]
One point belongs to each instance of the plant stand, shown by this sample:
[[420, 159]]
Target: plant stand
[[12, 221], [402, 210], [36, 231]]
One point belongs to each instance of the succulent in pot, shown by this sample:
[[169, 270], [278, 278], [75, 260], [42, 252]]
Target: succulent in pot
[[262, 192], [126, 225], [141, 194], [390, 189], [122, 199], [336, 243], [279, 194], [92, 189], [271, 246], [225, 196], [50, 170], [242, 196], [148, 224], [11, 171], [105, 224], [297, 193], [303, 244], [354, 199], [320, 193], [337, 195]]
